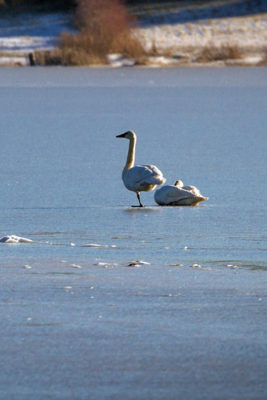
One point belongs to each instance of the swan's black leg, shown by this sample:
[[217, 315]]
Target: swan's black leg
[[138, 196]]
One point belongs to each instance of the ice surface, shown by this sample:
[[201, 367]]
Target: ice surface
[[191, 324]]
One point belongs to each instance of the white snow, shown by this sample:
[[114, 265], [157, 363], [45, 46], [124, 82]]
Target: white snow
[[177, 30], [241, 31], [105, 246], [29, 32], [13, 60], [27, 44], [117, 60], [14, 239]]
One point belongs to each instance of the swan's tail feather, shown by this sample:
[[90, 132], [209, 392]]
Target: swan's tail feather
[[188, 201], [156, 180]]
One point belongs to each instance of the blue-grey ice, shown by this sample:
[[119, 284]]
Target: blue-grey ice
[[191, 324]]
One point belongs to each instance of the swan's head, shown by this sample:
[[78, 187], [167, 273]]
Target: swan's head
[[179, 183], [127, 135]]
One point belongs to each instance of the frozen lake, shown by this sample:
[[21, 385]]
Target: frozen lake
[[77, 321]]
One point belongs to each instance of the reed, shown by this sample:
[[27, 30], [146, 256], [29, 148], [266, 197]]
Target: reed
[[219, 53], [263, 61]]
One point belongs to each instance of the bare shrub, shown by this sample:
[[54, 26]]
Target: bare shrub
[[79, 49], [102, 17], [126, 44], [105, 27], [263, 61], [53, 57], [219, 53]]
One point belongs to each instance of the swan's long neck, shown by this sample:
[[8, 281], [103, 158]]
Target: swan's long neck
[[131, 154]]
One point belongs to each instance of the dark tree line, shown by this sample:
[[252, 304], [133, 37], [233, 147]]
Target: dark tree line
[[61, 4], [65, 4]]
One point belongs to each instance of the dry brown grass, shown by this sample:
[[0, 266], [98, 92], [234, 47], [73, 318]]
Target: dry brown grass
[[53, 57], [224, 52], [84, 48], [263, 61], [66, 57]]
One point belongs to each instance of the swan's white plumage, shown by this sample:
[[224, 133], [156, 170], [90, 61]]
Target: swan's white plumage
[[139, 178], [178, 195]]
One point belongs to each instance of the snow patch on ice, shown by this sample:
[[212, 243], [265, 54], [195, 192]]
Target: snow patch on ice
[[105, 246], [14, 239], [117, 60]]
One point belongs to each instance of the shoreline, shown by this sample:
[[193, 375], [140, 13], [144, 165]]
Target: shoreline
[[173, 34]]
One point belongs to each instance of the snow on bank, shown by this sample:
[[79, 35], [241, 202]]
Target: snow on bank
[[186, 40], [26, 33], [177, 30], [26, 43], [248, 31], [183, 29]]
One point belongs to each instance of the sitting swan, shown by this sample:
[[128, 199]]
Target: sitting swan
[[139, 178], [178, 195]]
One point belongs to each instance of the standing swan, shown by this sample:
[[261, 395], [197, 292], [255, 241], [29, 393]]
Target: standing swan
[[178, 195], [139, 178]]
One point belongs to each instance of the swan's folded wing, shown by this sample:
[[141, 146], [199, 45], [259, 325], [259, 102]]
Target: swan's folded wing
[[195, 191], [142, 177], [170, 194], [151, 174]]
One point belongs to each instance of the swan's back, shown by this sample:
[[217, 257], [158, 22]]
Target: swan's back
[[194, 190]]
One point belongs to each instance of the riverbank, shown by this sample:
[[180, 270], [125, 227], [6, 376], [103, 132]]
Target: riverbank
[[214, 33]]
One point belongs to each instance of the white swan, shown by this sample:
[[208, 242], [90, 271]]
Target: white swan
[[178, 195], [139, 178]]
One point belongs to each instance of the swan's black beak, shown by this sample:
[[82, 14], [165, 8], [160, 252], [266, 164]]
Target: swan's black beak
[[122, 135]]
